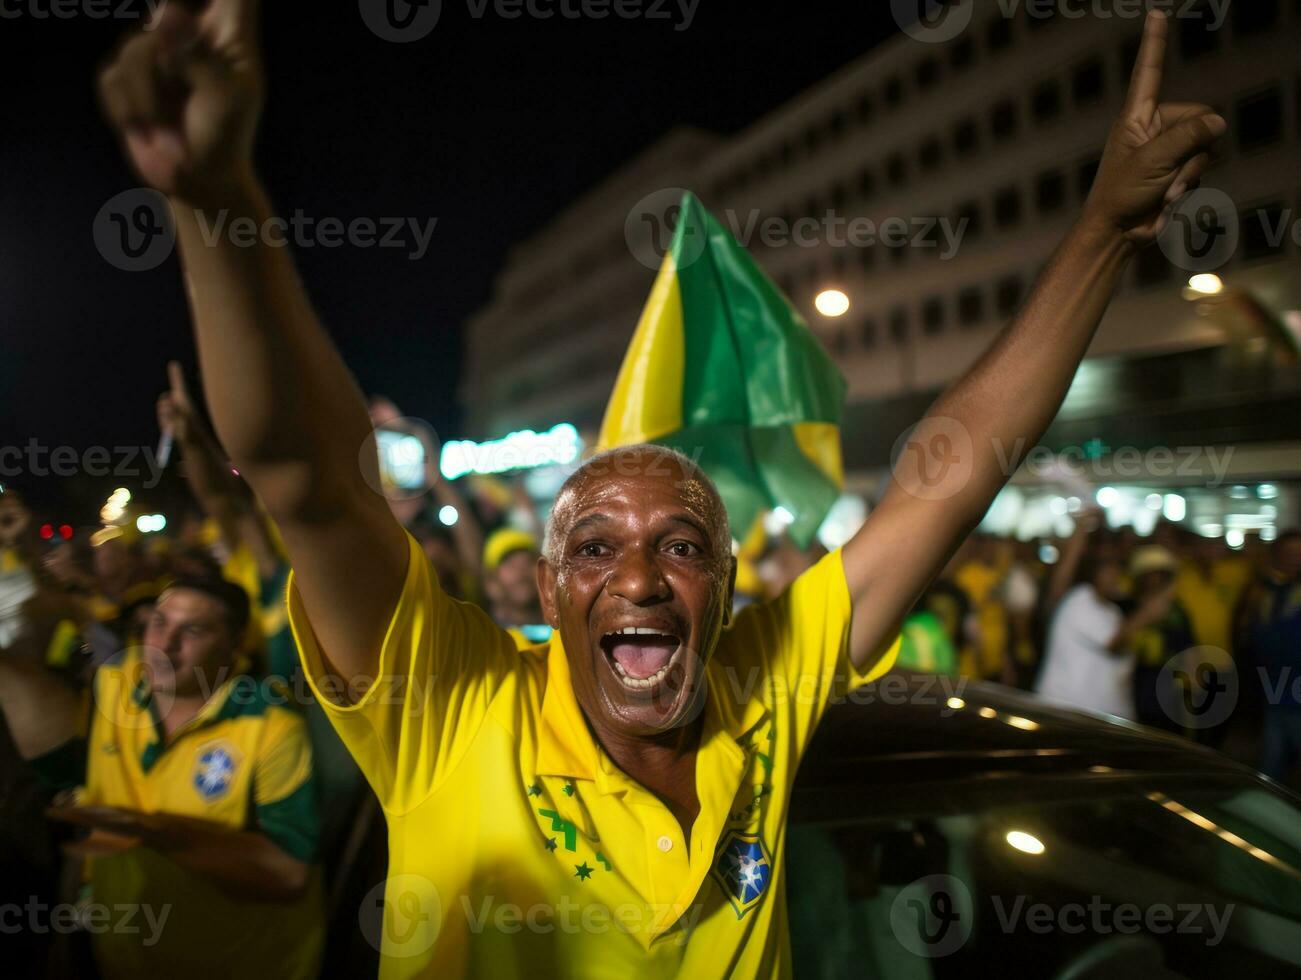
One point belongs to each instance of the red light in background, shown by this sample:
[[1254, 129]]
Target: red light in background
[[65, 532], [47, 531]]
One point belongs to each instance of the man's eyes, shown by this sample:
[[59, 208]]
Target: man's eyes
[[678, 549]]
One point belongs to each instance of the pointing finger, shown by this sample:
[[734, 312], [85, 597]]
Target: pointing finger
[[1149, 69]]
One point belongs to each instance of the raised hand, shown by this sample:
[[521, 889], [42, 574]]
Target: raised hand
[[175, 409], [1157, 151], [185, 94]]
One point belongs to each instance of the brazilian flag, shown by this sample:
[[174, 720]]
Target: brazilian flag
[[722, 368]]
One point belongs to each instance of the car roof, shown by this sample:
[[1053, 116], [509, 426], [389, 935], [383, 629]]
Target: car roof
[[921, 734]]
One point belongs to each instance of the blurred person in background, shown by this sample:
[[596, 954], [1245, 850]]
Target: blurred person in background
[[197, 787], [986, 655], [1089, 662], [17, 572], [510, 561], [1152, 569], [1209, 584], [256, 561], [1273, 636]]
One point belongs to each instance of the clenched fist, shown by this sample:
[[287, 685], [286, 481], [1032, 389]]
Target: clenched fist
[[1157, 151], [185, 94]]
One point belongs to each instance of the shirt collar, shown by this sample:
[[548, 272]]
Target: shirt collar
[[566, 746]]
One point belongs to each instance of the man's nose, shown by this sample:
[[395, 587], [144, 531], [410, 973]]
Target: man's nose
[[637, 577]]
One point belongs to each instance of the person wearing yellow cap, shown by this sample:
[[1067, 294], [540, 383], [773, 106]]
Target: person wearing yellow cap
[[612, 803], [510, 558], [1153, 570]]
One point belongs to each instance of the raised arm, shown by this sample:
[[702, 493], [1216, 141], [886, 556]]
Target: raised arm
[[972, 439], [185, 97]]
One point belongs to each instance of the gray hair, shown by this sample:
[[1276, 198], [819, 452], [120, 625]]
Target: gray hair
[[696, 483]]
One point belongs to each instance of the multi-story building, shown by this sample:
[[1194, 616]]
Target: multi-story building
[[985, 146]]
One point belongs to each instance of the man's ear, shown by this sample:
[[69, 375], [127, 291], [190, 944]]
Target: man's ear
[[731, 593], [546, 576]]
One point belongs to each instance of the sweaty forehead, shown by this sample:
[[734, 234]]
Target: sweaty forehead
[[660, 488]]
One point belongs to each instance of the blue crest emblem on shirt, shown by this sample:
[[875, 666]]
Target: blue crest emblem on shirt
[[743, 870], [213, 772]]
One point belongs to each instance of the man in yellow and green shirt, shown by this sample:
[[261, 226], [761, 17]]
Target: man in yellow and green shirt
[[196, 782], [654, 740]]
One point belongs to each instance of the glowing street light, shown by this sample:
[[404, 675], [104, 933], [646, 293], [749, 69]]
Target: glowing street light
[[1206, 284], [831, 303]]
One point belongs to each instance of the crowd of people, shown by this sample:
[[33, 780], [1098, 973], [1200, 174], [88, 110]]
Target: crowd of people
[[95, 624]]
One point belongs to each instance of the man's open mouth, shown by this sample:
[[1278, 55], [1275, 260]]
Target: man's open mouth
[[641, 657]]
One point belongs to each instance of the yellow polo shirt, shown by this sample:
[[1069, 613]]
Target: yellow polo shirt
[[518, 849], [244, 761]]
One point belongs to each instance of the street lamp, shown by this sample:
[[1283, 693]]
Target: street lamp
[[831, 303]]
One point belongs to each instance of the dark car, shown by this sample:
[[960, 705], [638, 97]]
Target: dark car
[[940, 831]]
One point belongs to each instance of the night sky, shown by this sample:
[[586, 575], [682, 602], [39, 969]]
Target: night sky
[[490, 125]]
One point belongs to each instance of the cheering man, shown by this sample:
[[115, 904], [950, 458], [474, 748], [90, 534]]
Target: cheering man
[[612, 803]]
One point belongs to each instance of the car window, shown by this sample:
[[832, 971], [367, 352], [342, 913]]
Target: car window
[[1127, 881]]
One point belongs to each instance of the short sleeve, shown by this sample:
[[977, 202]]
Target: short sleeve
[[284, 785], [440, 665], [800, 640]]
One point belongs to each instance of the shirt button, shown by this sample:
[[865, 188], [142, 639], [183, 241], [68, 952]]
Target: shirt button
[[665, 843]]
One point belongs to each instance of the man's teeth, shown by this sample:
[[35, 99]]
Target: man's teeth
[[637, 631]]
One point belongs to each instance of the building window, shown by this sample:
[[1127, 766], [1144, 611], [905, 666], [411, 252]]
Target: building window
[[928, 73], [999, 34], [963, 55], [866, 182], [1050, 191], [971, 306], [1260, 119], [894, 92], [966, 137], [1085, 176], [896, 170], [1007, 207], [899, 325], [1195, 35], [933, 316], [1254, 17], [1263, 230], [1007, 295], [1003, 120], [1151, 267], [864, 108], [931, 154], [867, 333], [968, 221], [1046, 102], [1088, 84]]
